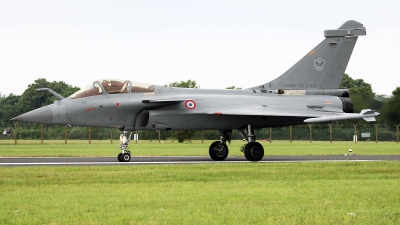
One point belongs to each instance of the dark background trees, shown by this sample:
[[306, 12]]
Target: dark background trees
[[363, 97], [32, 99], [391, 109], [14, 105], [360, 92], [9, 107], [184, 84], [233, 87]]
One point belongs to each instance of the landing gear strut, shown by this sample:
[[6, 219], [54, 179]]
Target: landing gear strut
[[253, 151], [125, 155], [219, 150]]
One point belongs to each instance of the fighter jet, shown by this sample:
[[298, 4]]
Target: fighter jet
[[306, 93]]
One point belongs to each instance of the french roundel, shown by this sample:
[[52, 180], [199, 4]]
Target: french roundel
[[190, 104]]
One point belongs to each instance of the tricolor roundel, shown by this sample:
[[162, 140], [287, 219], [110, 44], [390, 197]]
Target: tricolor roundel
[[190, 104]]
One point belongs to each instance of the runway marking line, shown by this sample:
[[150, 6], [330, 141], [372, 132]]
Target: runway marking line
[[178, 162]]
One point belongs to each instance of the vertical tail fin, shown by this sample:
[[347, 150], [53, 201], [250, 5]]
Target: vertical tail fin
[[324, 66]]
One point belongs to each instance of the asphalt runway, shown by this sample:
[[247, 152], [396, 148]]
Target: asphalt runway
[[141, 160]]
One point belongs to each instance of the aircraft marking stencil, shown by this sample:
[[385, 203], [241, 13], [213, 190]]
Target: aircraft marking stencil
[[308, 92]]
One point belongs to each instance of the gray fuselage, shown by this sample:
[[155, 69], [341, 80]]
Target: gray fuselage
[[165, 109]]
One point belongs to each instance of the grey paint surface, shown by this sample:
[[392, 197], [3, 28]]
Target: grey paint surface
[[324, 66]]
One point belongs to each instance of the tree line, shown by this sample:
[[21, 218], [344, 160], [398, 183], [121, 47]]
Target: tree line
[[360, 92], [318, 132]]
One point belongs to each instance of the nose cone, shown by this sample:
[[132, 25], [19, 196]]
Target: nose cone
[[41, 115]]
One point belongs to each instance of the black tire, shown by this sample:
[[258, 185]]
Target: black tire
[[254, 151], [126, 157], [218, 151], [120, 157]]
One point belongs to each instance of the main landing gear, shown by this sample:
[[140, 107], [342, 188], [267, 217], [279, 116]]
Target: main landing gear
[[125, 155], [253, 151]]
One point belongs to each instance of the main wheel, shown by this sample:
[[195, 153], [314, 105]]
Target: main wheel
[[218, 151], [254, 151], [125, 157]]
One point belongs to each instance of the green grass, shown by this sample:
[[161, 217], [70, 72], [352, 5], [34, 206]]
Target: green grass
[[196, 148], [251, 193]]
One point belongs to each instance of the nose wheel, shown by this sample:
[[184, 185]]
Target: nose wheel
[[126, 157]]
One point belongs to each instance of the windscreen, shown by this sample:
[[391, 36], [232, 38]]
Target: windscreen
[[112, 86]]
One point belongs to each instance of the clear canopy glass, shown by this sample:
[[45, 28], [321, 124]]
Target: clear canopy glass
[[112, 86]]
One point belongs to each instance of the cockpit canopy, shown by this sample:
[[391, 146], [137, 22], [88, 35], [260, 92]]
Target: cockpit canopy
[[112, 86]]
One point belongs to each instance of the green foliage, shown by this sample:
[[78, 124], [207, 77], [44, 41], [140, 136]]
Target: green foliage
[[233, 87], [2, 97], [9, 107], [357, 87], [184, 84], [320, 132], [363, 97], [392, 108], [32, 99], [361, 94], [14, 105]]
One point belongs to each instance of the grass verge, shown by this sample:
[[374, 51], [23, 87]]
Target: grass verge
[[251, 193], [54, 148]]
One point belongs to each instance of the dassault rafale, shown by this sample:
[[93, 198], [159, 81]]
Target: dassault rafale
[[306, 93]]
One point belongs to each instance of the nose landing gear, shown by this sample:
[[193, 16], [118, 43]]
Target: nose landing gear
[[125, 155]]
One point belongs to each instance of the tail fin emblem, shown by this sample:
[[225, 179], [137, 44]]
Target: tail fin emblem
[[319, 64]]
